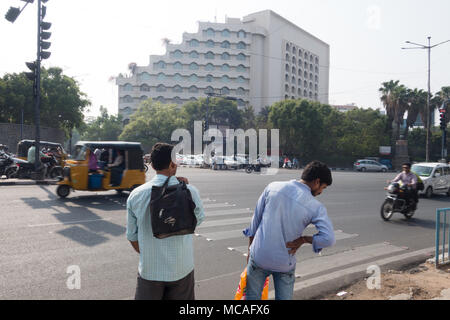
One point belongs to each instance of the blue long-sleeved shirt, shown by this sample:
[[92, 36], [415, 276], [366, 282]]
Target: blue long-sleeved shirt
[[282, 213], [169, 259]]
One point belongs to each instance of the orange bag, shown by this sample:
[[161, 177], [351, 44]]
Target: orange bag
[[240, 292]]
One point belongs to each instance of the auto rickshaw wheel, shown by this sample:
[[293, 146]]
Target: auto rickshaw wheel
[[63, 191]]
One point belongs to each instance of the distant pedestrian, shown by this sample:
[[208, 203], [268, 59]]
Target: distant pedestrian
[[283, 212], [166, 266]]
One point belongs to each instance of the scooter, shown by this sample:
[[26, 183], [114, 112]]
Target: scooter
[[5, 162], [398, 201]]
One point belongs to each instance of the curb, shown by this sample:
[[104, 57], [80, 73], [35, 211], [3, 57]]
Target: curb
[[27, 182], [315, 288]]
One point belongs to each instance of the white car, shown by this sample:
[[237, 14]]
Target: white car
[[435, 177]]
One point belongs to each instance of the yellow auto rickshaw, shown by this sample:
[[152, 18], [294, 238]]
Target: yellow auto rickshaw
[[96, 164], [56, 148]]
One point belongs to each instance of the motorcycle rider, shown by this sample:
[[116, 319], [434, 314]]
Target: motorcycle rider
[[409, 179]]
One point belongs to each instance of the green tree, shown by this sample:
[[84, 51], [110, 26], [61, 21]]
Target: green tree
[[62, 102], [153, 122], [104, 128]]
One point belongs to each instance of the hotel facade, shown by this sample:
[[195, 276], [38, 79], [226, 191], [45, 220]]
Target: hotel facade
[[259, 60]]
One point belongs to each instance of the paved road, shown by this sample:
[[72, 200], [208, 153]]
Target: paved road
[[42, 236]]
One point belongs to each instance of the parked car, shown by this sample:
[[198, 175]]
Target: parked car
[[435, 177], [369, 165], [231, 163]]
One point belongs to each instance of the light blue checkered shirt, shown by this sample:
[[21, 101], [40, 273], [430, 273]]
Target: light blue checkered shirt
[[169, 259]]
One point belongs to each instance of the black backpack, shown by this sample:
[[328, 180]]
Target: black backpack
[[172, 210]]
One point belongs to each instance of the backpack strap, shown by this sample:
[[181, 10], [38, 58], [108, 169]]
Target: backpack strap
[[164, 187]]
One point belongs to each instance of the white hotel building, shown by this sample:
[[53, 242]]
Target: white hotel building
[[260, 59]]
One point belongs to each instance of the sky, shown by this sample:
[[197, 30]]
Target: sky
[[94, 41]]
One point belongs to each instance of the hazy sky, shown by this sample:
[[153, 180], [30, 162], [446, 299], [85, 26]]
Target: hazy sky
[[93, 40]]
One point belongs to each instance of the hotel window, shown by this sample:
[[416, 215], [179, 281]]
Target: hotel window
[[209, 55], [226, 79], [293, 80], [161, 77], [241, 79], [241, 68], [240, 103], [225, 56], [287, 57], [193, 66], [210, 44], [293, 90], [145, 88], [193, 78], [209, 89], [294, 71], [161, 88], [286, 78], [240, 91], [209, 78], [241, 57], [316, 70], [145, 76], [300, 72], [294, 50], [288, 47], [286, 87], [299, 92], [161, 65], [161, 99], [287, 68], [241, 34], [193, 43], [241, 45], [143, 98], [306, 55], [225, 90], [193, 55], [128, 87], [226, 33], [177, 100], [225, 44], [210, 33], [177, 89], [299, 82], [225, 67], [294, 60], [177, 78], [209, 67], [177, 54], [193, 89], [128, 99], [178, 66], [317, 60]]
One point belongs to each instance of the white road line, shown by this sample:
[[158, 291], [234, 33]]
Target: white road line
[[226, 222], [228, 212], [66, 223], [218, 205]]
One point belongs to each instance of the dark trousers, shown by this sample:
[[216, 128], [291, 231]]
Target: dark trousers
[[116, 176], [158, 290]]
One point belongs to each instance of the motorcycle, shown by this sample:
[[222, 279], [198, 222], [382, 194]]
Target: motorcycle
[[398, 200], [26, 170], [251, 167], [5, 162]]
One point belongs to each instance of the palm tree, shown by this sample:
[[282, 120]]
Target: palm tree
[[417, 101], [392, 96]]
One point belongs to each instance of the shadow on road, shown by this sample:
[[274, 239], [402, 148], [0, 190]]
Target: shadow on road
[[83, 225]]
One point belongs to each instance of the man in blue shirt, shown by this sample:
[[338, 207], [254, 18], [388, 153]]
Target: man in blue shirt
[[166, 266], [282, 213]]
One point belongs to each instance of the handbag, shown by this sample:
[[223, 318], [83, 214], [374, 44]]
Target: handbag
[[242, 288], [172, 210]]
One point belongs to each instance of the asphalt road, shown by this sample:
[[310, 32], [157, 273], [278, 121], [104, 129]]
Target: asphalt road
[[43, 237]]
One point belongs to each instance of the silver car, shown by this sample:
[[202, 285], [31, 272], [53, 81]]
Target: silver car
[[369, 165]]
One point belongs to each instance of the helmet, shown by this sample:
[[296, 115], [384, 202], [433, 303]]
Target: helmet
[[393, 187]]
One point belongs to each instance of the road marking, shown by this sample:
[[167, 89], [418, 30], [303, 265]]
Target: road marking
[[228, 212], [218, 205], [226, 222], [222, 235], [66, 223]]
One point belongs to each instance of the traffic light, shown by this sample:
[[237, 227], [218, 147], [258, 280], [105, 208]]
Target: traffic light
[[12, 14], [32, 75], [44, 35], [443, 119]]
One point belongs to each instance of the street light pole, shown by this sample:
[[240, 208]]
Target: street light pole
[[428, 47], [37, 111]]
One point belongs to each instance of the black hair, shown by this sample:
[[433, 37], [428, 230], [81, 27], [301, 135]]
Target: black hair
[[317, 170], [407, 164], [161, 156]]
